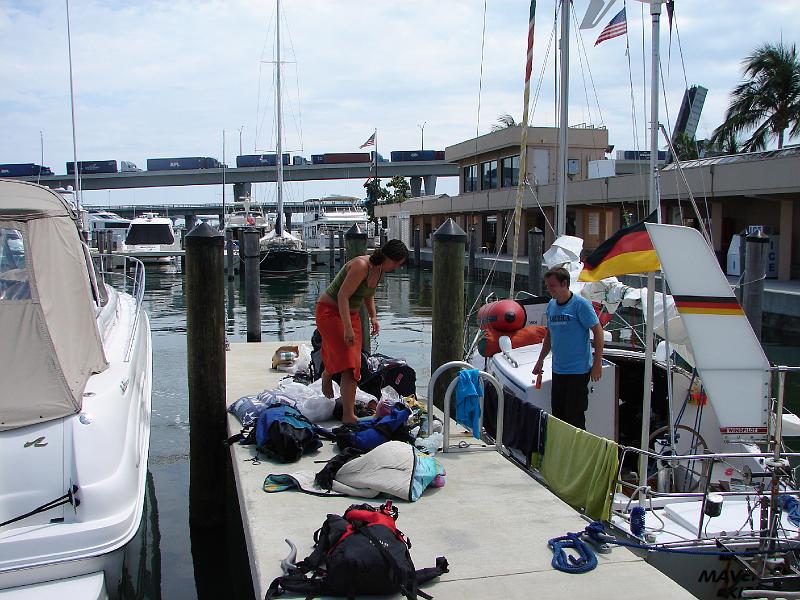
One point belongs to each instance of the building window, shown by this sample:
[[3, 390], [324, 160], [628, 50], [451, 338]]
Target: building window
[[510, 171], [489, 175], [471, 178]]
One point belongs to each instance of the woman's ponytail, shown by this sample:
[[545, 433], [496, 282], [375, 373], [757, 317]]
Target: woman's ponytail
[[393, 249]]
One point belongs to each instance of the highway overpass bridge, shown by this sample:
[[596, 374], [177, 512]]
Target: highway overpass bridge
[[416, 171]]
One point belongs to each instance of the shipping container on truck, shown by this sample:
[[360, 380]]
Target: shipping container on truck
[[439, 155], [24, 170], [260, 160], [409, 155], [317, 159], [298, 161], [182, 163], [338, 158], [90, 167]]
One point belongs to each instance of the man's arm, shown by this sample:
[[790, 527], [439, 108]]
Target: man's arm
[[537, 368], [597, 361]]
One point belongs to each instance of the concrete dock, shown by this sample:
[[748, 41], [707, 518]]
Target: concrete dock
[[491, 520]]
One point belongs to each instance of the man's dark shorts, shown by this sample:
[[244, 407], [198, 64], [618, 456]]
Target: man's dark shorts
[[570, 398]]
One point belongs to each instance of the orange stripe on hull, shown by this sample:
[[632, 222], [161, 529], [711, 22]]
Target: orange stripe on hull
[[698, 310]]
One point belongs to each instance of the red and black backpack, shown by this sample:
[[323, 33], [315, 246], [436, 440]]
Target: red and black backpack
[[360, 553]]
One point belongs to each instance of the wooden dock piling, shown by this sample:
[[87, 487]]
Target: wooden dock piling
[[535, 250], [205, 339], [755, 269], [417, 238], [252, 283], [229, 253], [472, 244], [447, 341], [331, 252]]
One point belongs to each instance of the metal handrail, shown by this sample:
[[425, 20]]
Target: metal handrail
[[459, 364], [133, 283]]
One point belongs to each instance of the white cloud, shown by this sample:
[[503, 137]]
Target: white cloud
[[158, 78]]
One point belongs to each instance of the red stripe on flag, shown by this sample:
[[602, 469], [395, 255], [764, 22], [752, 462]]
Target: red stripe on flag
[[637, 241]]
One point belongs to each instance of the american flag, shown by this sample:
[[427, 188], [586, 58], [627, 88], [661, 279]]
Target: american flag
[[616, 27], [370, 142]]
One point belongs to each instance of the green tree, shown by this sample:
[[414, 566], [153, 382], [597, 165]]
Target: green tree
[[402, 190], [768, 101], [375, 195], [685, 146], [504, 122], [728, 144]]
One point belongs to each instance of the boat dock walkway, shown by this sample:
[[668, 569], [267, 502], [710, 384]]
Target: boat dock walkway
[[491, 520]]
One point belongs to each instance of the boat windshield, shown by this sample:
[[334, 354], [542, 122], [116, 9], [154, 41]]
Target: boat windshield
[[149, 234]]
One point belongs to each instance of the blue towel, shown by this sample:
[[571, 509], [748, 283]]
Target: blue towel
[[791, 507], [468, 394]]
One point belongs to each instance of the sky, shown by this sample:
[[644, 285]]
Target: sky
[[166, 78]]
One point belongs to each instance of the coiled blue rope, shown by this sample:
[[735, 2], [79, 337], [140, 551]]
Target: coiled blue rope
[[568, 563]]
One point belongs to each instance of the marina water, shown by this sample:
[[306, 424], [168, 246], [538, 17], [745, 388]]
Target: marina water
[[403, 302]]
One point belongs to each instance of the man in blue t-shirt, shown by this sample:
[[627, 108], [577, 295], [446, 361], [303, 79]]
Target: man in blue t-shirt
[[569, 319]]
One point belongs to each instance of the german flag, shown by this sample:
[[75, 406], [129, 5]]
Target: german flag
[[707, 305], [627, 251]]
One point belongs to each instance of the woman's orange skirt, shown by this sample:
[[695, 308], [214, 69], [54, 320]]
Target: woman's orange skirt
[[336, 355]]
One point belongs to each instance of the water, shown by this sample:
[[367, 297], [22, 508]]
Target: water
[[403, 303]]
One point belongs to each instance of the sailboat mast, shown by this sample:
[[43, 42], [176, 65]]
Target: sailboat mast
[[74, 133], [279, 146], [561, 190], [655, 13]]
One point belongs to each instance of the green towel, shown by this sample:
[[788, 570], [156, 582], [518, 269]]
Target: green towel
[[580, 468]]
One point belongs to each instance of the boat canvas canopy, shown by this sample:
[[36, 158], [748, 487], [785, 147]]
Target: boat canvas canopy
[[728, 356], [50, 342]]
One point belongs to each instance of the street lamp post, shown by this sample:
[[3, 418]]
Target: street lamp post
[[422, 134], [240, 139]]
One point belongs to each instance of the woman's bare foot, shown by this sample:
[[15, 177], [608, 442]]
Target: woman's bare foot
[[327, 385]]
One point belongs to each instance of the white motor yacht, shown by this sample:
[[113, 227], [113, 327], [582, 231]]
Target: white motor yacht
[[151, 239], [76, 368], [324, 218]]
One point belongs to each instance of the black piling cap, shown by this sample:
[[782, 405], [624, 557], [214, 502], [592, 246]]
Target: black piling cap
[[355, 233], [758, 237], [535, 231], [204, 235], [449, 231]]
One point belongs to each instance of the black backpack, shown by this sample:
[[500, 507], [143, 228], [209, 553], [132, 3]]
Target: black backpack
[[359, 554]]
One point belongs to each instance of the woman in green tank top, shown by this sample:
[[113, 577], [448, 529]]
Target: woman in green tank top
[[339, 324]]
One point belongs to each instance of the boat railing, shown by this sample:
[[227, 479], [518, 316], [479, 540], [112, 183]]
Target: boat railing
[[484, 376], [126, 274]]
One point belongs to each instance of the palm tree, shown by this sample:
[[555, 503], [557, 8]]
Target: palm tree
[[504, 122], [768, 102]]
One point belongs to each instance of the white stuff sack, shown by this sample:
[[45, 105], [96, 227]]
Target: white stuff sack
[[309, 400]]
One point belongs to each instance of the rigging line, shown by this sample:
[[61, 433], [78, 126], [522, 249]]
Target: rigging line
[[480, 84], [540, 82], [583, 79], [267, 37], [636, 145], [582, 44], [697, 146], [644, 74], [494, 262], [541, 209], [297, 83]]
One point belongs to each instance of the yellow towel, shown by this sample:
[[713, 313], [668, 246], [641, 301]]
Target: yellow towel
[[580, 467]]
